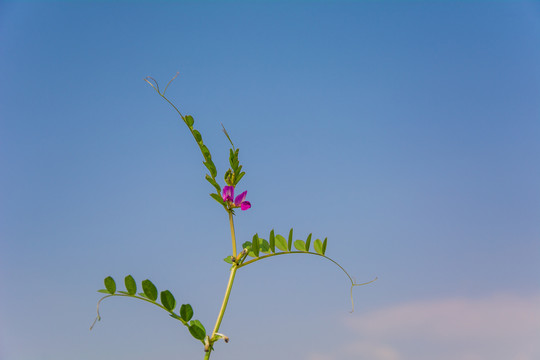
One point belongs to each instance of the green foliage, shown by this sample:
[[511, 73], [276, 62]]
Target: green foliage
[[308, 242], [219, 199], [255, 245], [300, 245], [189, 121], [168, 300], [260, 248], [131, 285], [150, 290], [186, 312], [215, 184], [289, 243], [197, 329], [318, 246], [110, 285], [281, 243], [265, 246], [272, 240], [235, 173]]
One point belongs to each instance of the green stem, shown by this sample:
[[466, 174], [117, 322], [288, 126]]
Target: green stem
[[227, 291], [233, 236], [223, 307]]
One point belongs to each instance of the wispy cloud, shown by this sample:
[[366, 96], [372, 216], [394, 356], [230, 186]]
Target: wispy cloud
[[500, 327]]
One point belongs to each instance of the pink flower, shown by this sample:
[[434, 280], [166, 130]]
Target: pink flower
[[240, 201]]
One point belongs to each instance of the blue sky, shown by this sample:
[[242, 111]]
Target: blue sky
[[405, 132]]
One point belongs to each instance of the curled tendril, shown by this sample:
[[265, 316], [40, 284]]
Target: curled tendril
[[169, 83], [98, 317], [353, 283], [156, 87], [153, 83]]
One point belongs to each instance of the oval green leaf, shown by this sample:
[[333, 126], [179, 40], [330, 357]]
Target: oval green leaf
[[110, 285], [211, 167], [281, 243], [218, 198], [265, 246], [150, 290], [324, 246], [197, 329], [300, 245], [272, 240], [206, 152], [189, 121], [186, 312], [198, 137], [168, 300], [317, 245], [131, 285]]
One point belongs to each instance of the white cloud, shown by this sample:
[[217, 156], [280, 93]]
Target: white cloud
[[496, 328]]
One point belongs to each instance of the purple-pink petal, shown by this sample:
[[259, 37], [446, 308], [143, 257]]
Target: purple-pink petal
[[245, 205], [228, 193], [240, 198]]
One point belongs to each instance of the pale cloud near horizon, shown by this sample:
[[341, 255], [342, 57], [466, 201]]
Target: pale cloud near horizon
[[501, 327]]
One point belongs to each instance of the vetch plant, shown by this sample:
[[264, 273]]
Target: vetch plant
[[252, 251]]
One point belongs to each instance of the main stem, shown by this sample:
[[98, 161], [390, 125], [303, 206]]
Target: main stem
[[227, 291], [233, 236]]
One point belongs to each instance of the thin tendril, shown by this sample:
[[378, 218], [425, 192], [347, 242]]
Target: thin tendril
[[353, 283], [228, 137], [155, 82], [170, 81], [98, 317]]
